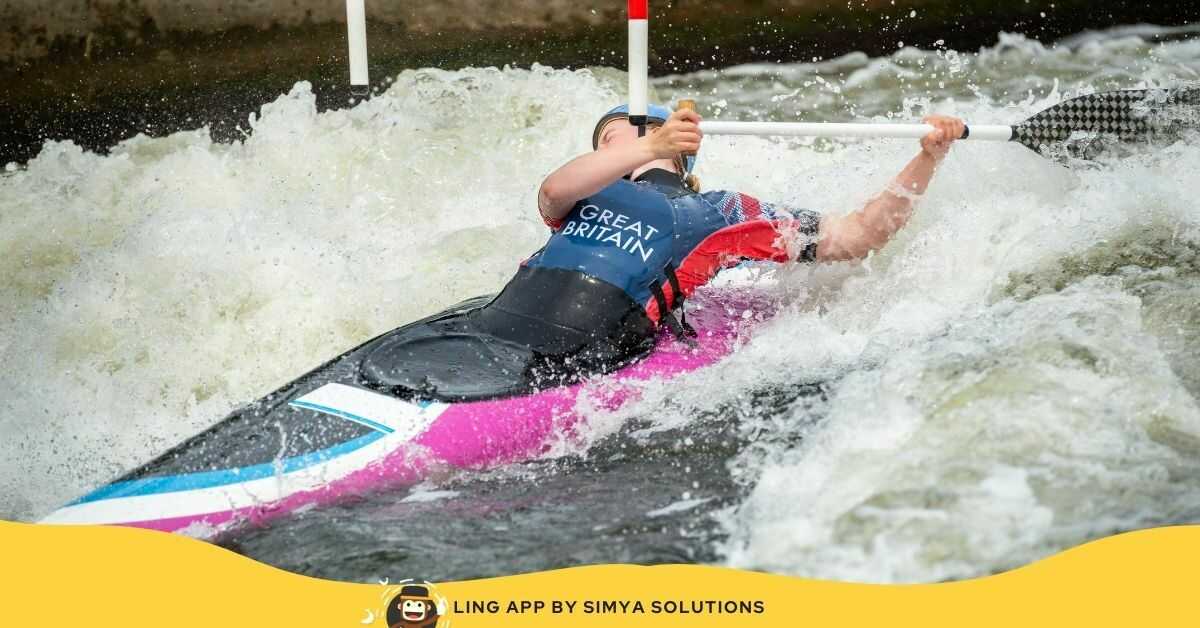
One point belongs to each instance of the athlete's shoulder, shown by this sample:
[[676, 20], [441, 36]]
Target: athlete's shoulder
[[740, 207]]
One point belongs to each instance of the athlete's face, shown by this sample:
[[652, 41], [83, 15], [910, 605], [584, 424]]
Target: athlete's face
[[619, 131]]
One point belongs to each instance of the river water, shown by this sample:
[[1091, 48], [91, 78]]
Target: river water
[[1015, 374]]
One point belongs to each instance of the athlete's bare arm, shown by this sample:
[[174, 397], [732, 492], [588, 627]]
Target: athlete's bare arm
[[621, 152], [855, 235]]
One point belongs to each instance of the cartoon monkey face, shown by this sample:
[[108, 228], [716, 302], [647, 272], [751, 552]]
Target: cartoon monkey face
[[414, 610]]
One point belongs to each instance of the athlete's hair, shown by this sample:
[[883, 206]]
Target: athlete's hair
[[690, 180]]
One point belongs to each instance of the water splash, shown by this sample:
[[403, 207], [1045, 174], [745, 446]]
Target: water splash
[[1013, 375]]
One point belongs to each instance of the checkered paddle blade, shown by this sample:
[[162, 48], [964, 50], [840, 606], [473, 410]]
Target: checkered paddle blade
[[1131, 115]]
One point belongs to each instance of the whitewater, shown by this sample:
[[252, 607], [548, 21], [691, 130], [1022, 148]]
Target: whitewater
[[1017, 373]]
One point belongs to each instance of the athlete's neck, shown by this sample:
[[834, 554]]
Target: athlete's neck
[[661, 178], [664, 164]]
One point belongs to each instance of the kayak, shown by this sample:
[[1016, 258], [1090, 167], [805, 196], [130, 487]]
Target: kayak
[[335, 433]]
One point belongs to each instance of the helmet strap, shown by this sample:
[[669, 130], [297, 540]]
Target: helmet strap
[[640, 123]]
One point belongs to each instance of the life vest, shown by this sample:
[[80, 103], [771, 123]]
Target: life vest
[[634, 235], [589, 301]]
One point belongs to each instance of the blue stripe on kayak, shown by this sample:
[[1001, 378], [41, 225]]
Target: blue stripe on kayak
[[380, 427], [224, 477]]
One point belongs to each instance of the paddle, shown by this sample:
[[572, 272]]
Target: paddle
[[1129, 115]]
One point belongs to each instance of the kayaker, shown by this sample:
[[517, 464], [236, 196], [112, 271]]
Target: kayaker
[[630, 213], [632, 239]]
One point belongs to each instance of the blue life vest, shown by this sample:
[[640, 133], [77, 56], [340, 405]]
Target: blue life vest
[[628, 234]]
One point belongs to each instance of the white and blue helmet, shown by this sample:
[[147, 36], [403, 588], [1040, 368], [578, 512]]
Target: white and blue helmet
[[655, 114]]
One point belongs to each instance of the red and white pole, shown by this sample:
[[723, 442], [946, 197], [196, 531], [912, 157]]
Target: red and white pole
[[639, 62]]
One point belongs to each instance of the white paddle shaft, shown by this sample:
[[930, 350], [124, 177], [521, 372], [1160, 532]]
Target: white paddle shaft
[[993, 132]]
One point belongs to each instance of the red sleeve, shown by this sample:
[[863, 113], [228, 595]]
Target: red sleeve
[[758, 239]]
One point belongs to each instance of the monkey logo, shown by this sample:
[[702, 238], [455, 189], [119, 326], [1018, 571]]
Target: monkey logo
[[413, 607]]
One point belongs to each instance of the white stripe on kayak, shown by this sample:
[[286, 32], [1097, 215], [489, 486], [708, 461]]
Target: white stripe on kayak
[[255, 492], [365, 407]]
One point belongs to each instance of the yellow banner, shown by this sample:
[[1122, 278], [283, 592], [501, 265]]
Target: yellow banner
[[93, 577]]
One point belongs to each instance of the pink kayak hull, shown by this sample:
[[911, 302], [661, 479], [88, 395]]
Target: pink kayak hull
[[468, 435]]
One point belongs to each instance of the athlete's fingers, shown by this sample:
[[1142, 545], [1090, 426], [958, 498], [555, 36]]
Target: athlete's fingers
[[680, 134], [958, 127], [674, 141], [934, 142], [951, 129], [951, 126], [685, 137]]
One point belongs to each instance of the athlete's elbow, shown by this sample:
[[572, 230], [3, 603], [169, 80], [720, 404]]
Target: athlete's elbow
[[863, 247], [547, 193], [842, 251], [848, 240], [832, 239], [552, 198]]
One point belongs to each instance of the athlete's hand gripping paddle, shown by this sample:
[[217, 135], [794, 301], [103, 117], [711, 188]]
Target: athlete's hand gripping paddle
[[1131, 115], [690, 105]]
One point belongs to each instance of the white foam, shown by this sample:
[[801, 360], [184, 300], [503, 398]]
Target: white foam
[[682, 505], [989, 400], [424, 496], [149, 291], [992, 400]]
